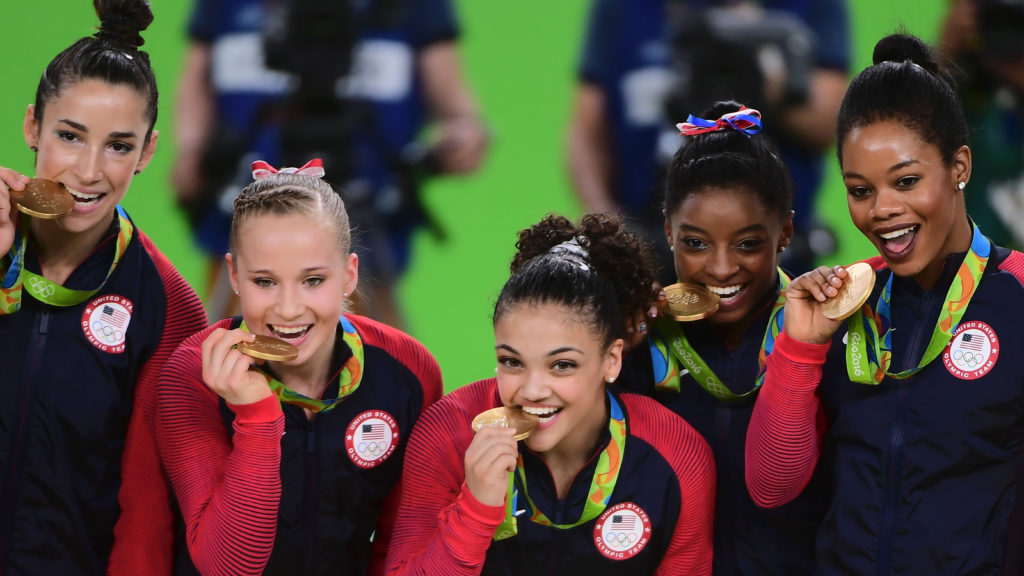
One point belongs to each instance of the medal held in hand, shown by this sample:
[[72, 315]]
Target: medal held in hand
[[687, 301], [268, 348], [854, 293], [43, 199], [503, 417]]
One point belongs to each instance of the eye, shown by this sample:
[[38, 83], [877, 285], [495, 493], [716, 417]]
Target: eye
[[314, 280], [121, 147], [750, 244], [564, 365], [67, 136], [263, 282], [858, 191], [509, 362], [907, 182], [692, 243]]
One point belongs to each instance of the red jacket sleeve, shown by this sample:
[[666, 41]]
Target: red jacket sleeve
[[690, 549], [787, 427], [441, 527], [229, 488], [144, 533]]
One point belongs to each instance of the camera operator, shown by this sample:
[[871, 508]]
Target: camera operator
[[985, 38], [647, 63], [351, 81]]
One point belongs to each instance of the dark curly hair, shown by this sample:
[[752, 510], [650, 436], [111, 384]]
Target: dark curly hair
[[729, 159], [615, 276], [908, 84], [111, 55]]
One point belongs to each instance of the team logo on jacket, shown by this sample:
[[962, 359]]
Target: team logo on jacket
[[371, 438], [105, 322], [972, 352], [622, 531]]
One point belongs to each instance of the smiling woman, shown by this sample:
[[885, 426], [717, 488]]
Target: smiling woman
[[609, 483], [911, 403], [89, 312]]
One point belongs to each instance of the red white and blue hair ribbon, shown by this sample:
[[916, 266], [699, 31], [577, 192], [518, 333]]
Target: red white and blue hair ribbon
[[314, 168], [745, 120]]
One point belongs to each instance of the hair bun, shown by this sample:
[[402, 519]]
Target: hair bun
[[900, 48], [122, 21]]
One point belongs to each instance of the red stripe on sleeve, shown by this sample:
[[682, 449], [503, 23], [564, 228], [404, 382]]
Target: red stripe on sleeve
[[441, 528], [787, 427], [1014, 264], [144, 533], [686, 451], [229, 488]]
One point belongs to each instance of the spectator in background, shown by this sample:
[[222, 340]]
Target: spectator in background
[[985, 38], [353, 83], [646, 63]]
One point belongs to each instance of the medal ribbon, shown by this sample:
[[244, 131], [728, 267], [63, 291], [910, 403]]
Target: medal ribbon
[[348, 379], [670, 349], [869, 363], [17, 278], [606, 475]]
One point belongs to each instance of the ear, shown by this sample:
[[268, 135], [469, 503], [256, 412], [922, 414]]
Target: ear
[[961, 165], [232, 271], [29, 127], [351, 273], [613, 360], [668, 231], [787, 231], [147, 152]]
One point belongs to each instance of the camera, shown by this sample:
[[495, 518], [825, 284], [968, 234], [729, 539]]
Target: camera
[[734, 53]]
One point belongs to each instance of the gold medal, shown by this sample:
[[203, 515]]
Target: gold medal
[[687, 301], [43, 199], [854, 293], [268, 348], [503, 417]]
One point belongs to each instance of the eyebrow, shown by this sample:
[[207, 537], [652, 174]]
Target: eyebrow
[[82, 128], [554, 352], [752, 228], [304, 270], [893, 168]]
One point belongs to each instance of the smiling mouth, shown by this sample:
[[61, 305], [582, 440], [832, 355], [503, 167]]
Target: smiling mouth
[[897, 241], [290, 332], [726, 292], [543, 413], [83, 198]]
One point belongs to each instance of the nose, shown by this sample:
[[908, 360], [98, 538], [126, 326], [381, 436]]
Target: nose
[[721, 264], [535, 387], [888, 203], [89, 168], [289, 304]]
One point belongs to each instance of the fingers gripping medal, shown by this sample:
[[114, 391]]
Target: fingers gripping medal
[[268, 348], [43, 199], [687, 301], [853, 294], [504, 417]]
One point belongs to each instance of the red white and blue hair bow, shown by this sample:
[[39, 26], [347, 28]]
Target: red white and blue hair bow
[[314, 168], [745, 120]]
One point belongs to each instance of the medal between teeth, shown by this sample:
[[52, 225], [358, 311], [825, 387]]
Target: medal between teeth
[[43, 199], [505, 417], [688, 301], [269, 348]]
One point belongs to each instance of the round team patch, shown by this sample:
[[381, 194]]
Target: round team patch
[[622, 531], [105, 322], [972, 351], [371, 438]]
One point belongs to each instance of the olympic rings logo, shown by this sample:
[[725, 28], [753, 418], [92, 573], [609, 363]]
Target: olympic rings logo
[[370, 450], [108, 333], [41, 287], [620, 540]]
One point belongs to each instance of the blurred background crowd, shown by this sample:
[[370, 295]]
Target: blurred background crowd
[[452, 125]]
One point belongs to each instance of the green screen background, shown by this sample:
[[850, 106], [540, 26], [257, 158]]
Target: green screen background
[[520, 59]]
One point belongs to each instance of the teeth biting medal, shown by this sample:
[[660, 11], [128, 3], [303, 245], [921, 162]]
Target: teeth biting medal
[[268, 348], [43, 199], [505, 417], [687, 301]]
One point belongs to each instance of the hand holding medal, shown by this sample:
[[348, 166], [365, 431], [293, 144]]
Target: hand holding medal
[[228, 360], [43, 199], [819, 300], [506, 417]]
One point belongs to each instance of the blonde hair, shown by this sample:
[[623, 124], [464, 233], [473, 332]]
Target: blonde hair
[[283, 194]]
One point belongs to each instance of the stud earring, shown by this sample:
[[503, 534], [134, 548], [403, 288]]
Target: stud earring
[[962, 185], [137, 172], [34, 148], [610, 379]]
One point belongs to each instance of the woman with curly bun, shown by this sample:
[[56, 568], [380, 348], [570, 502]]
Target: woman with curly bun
[[607, 483], [90, 311], [913, 403]]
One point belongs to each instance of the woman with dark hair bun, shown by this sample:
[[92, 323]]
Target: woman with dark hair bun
[[607, 483], [89, 312], [913, 403], [728, 220]]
